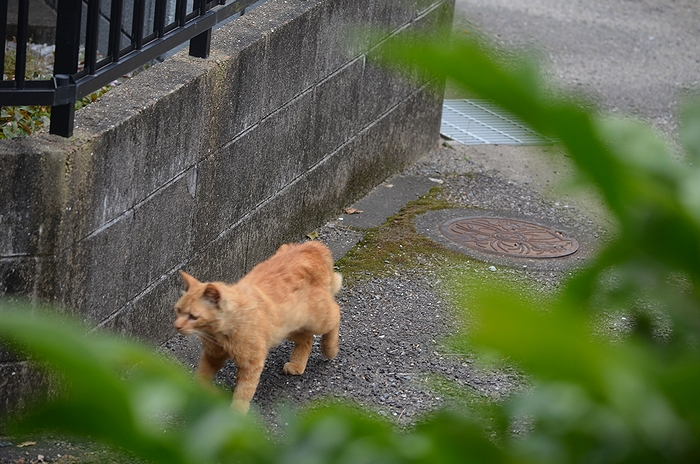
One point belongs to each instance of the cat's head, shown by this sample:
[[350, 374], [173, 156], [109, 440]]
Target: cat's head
[[196, 311]]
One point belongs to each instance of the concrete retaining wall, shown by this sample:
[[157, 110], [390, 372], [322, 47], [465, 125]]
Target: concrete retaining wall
[[209, 165]]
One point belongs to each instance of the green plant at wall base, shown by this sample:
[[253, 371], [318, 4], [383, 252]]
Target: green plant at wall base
[[592, 400], [21, 121]]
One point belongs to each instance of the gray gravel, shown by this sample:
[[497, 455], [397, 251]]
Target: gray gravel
[[392, 357], [633, 57]]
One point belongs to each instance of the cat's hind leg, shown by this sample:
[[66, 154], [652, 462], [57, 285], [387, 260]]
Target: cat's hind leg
[[300, 354], [329, 342]]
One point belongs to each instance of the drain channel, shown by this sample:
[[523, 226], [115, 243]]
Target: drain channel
[[480, 122]]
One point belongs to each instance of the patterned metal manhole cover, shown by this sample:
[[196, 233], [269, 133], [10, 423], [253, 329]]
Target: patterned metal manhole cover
[[509, 237]]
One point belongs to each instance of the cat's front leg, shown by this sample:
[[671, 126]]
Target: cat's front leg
[[247, 379], [209, 365]]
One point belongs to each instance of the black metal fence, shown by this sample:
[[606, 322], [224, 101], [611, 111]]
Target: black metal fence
[[172, 23]]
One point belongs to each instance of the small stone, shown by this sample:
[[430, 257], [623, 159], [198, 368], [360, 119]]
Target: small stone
[[492, 268]]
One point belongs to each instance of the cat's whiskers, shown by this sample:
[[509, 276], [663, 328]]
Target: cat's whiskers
[[205, 336]]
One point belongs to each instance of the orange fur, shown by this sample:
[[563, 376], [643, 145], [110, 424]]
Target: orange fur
[[290, 296]]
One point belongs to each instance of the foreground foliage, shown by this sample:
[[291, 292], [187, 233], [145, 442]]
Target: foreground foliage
[[593, 400]]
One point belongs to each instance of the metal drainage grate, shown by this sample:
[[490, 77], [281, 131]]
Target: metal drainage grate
[[480, 122], [509, 237]]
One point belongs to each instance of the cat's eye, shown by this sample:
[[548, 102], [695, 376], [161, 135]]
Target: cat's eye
[[192, 317]]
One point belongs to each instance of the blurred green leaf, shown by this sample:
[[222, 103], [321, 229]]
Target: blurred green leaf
[[121, 393], [690, 131], [591, 398]]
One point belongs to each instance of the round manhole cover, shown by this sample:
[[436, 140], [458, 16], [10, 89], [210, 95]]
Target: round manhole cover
[[509, 237]]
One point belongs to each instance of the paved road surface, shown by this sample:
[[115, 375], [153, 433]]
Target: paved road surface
[[637, 57]]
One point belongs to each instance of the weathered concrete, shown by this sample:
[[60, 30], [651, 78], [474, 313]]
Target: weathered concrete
[[42, 22], [209, 165]]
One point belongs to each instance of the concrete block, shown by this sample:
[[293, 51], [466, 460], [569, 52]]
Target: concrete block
[[328, 187], [7, 355], [99, 278], [150, 316], [18, 276], [235, 89], [162, 234], [31, 211], [252, 168], [171, 137], [149, 152], [290, 61], [21, 385], [344, 34], [420, 133], [16, 205], [223, 259], [391, 14], [31, 191], [279, 220], [336, 109], [113, 176], [385, 86]]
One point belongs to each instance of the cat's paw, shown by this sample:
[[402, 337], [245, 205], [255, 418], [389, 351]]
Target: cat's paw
[[292, 369], [330, 351], [240, 405]]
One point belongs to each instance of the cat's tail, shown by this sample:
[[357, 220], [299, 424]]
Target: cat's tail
[[336, 283]]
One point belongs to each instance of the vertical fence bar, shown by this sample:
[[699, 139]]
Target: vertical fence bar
[[22, 39], [200, 44], [115, 30], [180, 12], [3, 34], [91, 35], [137, 23], [159, 19], [66, 60]]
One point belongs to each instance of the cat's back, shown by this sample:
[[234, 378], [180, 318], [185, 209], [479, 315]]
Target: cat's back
[[294, 265]]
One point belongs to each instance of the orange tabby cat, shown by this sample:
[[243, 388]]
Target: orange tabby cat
[[288, 296]]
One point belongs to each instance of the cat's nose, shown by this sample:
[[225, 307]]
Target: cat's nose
[[179, 324]]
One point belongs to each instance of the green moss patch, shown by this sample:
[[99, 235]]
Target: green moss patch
[[397, 243]]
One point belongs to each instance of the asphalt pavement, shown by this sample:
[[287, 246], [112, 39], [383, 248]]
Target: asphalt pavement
[[632, 57]]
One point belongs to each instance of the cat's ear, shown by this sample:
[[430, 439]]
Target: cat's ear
[[187, 279], [212, 295]]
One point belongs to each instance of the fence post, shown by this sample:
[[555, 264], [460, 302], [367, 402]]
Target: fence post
[[200, 44], [66, 61], [22, 39], [3, 34]]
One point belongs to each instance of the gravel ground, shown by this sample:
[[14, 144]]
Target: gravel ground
[[631, 57], [392, 359]]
